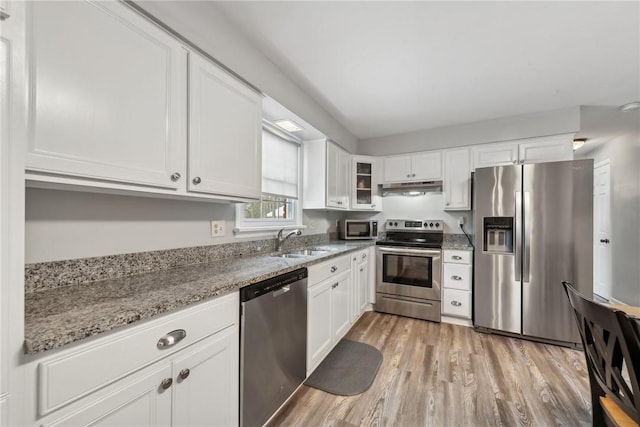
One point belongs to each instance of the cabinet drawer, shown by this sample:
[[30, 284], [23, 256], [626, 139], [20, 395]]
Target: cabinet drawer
[[87, 368], [323, 270], [457, 276], [456, 303], [457, 257]]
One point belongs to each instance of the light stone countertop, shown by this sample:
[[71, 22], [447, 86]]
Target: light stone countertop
[[63, 315]]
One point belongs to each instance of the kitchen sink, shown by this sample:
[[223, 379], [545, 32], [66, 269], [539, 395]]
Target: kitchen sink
[[301, 253], [289, 255]]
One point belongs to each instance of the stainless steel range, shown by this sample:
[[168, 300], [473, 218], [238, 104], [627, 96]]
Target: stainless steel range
[[409, 265]]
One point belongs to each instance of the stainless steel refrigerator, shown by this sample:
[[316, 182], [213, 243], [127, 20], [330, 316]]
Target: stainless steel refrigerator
[[534, 229]]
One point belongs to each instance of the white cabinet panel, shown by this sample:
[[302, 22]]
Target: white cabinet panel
[[327, 175], [319, 332], [547, 149], [107, 95], [457, 276], [224, 133], [139, 402], [206, 382], [364, 184], [456, 303], [397, 168], [340, 306], [457, 179], [487, 155], [426, 166], [456, 256]]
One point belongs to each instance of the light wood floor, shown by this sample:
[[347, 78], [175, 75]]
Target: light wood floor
[[437, 374]]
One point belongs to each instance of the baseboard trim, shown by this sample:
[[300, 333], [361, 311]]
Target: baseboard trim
[[456, 321]]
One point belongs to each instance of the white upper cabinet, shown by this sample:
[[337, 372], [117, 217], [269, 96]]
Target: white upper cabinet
[[425, 166], [224, 132], [531, 150], [327, 175], [364, 184], [109, 108], [107, 95], [457, 179]]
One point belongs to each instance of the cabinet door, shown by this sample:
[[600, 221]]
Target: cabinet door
[[108, 95], [426, 166], [363, 286], [333, 176], [206, 382], [548, 149], [225, 119], [319, 336], [457, 179], [397, 168], [340, 306], [344, 178], [140, 402], [364, 183], [487, 155]]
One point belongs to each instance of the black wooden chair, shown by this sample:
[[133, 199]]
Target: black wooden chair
[[604, 333]]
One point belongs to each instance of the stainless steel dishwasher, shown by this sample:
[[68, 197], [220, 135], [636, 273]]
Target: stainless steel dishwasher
[[273, 344]]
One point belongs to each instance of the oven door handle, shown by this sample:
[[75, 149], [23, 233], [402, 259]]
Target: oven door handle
[[408, 251]]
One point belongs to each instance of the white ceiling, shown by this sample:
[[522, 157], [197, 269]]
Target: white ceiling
[[388, 67]]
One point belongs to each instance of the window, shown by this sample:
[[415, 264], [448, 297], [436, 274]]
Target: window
[[278, 206]]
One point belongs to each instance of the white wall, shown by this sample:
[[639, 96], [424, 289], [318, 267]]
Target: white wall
[[202, 23], [623, 150], [502, 129]]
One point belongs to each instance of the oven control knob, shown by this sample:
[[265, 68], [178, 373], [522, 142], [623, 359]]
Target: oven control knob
[[395, 223], [437, 224], [431, 225]]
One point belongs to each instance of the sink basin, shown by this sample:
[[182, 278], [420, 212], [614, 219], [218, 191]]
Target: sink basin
[[288, 255], [301, 253]]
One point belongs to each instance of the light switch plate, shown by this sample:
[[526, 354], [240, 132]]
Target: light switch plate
[[217, 228]]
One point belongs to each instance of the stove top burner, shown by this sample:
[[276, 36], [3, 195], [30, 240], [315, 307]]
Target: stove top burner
[[412, 239]]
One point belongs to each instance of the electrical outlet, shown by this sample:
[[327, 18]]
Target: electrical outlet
[[217, 228], [461, 220]]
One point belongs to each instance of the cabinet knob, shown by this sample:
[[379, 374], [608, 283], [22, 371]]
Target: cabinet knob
[[354, 258], [184, 374], [456, 277], [448, 203], [175, 176], [197, 180], [334, 268], [456, 303], [408, 175], [166, 383], [456, 257], [339, 202], [364, 256], [172, 338], [335, 285], [361, 270], [604, 240], [4, 16], [373, 206], [413, 174]]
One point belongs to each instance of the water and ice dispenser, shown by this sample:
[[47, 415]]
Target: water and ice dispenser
[[498, 234]]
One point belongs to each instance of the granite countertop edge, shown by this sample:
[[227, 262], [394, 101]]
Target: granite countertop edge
[[58, 317]]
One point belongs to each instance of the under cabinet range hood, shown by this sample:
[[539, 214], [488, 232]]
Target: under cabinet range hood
[[411, 188]]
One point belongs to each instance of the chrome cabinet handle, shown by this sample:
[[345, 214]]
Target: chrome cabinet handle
[[354, 258], [172, 338], [339, 202], [408, 175], [175, 176], [335, 285], [413, 174], [184, 374], [456, 277], [4, 16], [166, 383], [197, 180], [361, 270], [604, 240], [364, 256], [456, 303], [456, 257], [373, 206], [334, 268]]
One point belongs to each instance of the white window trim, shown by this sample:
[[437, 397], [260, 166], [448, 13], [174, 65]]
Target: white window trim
[[266, 228]]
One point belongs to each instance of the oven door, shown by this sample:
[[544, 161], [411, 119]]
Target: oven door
[[409, 272]]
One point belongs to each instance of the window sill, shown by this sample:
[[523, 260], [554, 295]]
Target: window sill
[[263, 231]]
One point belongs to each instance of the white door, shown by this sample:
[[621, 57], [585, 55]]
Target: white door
[[340, 306], [487, 155], [333, 176], [602, 229], [426, 166], [319, 332], [108, 95], [206, 382], [225, 133], [457, 179], [397, 169], [141, 402]]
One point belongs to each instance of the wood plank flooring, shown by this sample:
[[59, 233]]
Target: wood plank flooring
[[437, 374]]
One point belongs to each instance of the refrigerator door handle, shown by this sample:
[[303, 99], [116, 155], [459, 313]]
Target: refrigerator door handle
[[526, 256], [517, 271]]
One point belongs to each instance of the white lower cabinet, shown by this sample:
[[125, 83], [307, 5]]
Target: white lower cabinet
[[193, 382], [457, 279], [359, 282]]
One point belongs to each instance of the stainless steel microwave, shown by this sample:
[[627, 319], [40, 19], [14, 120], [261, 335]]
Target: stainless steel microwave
[[357, 229]]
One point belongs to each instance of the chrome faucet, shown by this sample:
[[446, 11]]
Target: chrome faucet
[[280, 240]]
